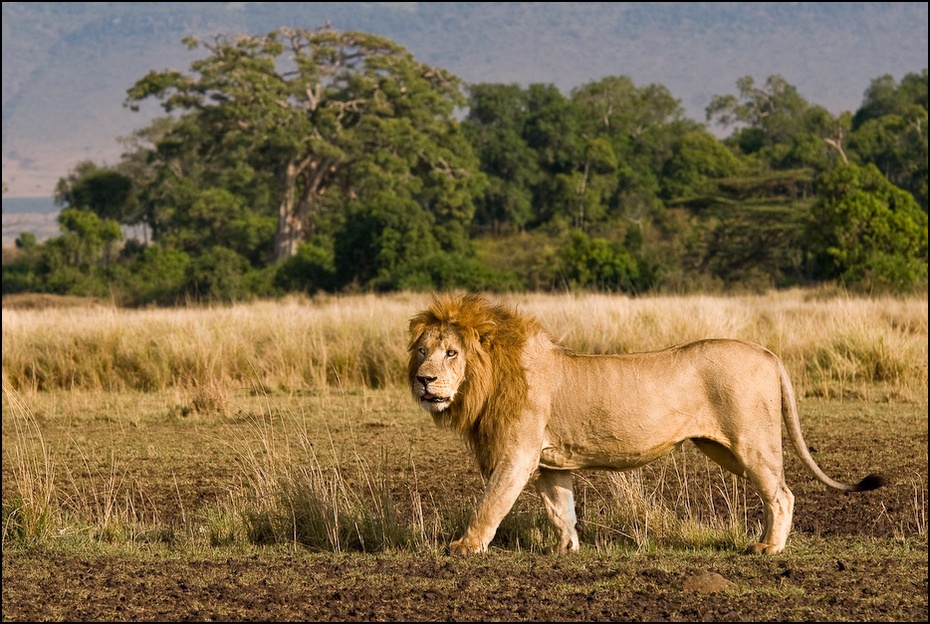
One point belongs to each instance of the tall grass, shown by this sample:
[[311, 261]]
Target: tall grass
[[44, 500], [294, 489], [836, 346], [288, 494], [29, 510], [683, 500]]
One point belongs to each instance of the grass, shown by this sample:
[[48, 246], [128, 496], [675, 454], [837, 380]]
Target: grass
[[286, 428], [295, 485], [333, 472], [244, 363], [833, 347]]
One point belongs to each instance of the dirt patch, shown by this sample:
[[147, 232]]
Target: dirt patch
[[500, 586]]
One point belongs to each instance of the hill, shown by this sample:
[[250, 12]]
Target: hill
[[67, 66]]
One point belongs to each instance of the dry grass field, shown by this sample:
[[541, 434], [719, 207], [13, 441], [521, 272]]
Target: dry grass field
[[265, 462]]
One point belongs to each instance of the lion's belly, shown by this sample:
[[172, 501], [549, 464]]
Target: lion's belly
[[608, 456]]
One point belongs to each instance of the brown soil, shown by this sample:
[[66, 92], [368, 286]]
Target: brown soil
[[500, 586]]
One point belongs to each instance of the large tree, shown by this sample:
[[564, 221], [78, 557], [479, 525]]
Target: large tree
[[310, 105], [497, 116], [890, 131]]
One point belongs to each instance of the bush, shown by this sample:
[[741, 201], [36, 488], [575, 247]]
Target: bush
[[868, 232], [218, 275], [311, 270]]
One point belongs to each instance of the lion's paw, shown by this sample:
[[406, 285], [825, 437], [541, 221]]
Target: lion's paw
[[765, 549], [463, 546]]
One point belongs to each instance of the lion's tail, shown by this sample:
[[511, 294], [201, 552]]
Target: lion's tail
[[789, 411]]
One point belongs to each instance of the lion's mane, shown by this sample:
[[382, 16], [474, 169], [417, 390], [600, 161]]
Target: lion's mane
[[495, 387]]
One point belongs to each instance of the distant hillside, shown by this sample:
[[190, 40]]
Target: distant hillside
[[66, 66], [38, 215]]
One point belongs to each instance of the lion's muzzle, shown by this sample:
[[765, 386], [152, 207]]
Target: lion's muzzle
[[428, 400]]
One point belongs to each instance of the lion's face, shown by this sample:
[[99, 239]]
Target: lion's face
[[437, 368]]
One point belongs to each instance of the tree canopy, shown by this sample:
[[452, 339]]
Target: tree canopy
[[307, 160]]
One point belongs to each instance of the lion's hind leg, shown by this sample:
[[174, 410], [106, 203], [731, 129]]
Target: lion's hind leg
[[555, 488], [767, 477], [778, 504]]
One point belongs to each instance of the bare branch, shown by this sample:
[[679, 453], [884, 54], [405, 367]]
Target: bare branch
[[837, 144]]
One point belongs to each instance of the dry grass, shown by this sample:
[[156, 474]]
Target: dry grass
[[246, 363], [837, 346]]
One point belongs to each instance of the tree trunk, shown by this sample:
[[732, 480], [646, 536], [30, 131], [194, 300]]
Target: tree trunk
[[290, 223], [296, 214]]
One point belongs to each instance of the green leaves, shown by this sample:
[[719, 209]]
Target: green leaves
[[325, 159], [873, 233]]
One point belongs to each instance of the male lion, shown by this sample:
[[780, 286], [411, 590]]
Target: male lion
[[526, 405]]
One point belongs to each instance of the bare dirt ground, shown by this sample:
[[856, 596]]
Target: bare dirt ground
[[493, 588], [853, 557]]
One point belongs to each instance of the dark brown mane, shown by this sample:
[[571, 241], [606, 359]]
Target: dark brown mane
[[495, 387]]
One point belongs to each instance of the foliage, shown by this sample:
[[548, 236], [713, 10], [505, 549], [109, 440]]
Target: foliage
[[218, 274], [873, 234], [335, 161], [312, 269], [596, 262], [308, 105], [104, 191], [160, 274], [890, 130]]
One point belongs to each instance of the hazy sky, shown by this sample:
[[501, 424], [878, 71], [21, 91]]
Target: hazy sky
[[66, 66]]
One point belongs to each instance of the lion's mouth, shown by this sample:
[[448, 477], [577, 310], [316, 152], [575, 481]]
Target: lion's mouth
[[432, 398]]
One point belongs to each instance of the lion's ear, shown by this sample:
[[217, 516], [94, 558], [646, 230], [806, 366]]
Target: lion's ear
[[486, 331], [417, 327]]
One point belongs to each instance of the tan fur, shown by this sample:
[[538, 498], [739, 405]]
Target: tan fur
[[527, 406]]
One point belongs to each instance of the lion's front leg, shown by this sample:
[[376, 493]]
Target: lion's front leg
[[504, 486]]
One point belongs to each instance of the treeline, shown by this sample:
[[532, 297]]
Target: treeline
[[334, 161]]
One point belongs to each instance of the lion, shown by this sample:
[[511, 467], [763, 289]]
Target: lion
[[528, 407]]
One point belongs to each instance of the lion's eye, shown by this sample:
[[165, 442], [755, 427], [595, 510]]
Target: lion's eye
[[451, 353], [422, 350]]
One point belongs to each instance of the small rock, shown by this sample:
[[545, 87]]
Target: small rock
[[707, 583]]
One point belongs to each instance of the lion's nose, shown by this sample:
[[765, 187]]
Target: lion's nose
[[425, 380]]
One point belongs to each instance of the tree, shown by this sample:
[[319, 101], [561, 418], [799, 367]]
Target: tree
[[497, 116], [82, 260], [596, 262], [777, 123], [898, 147], [868, 232], [629, 133], [890, 130], [307, 104], [885, 97], [102, 190], [698, 159]]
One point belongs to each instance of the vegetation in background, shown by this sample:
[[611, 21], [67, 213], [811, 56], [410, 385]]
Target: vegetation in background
[[331, 161]]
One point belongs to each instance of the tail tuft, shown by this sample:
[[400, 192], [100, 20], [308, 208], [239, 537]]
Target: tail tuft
[[871, 482]]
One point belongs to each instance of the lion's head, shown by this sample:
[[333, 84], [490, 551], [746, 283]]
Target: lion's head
[[465, 360], [437, 363]]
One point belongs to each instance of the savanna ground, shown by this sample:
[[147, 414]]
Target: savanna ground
[[260, 463]]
